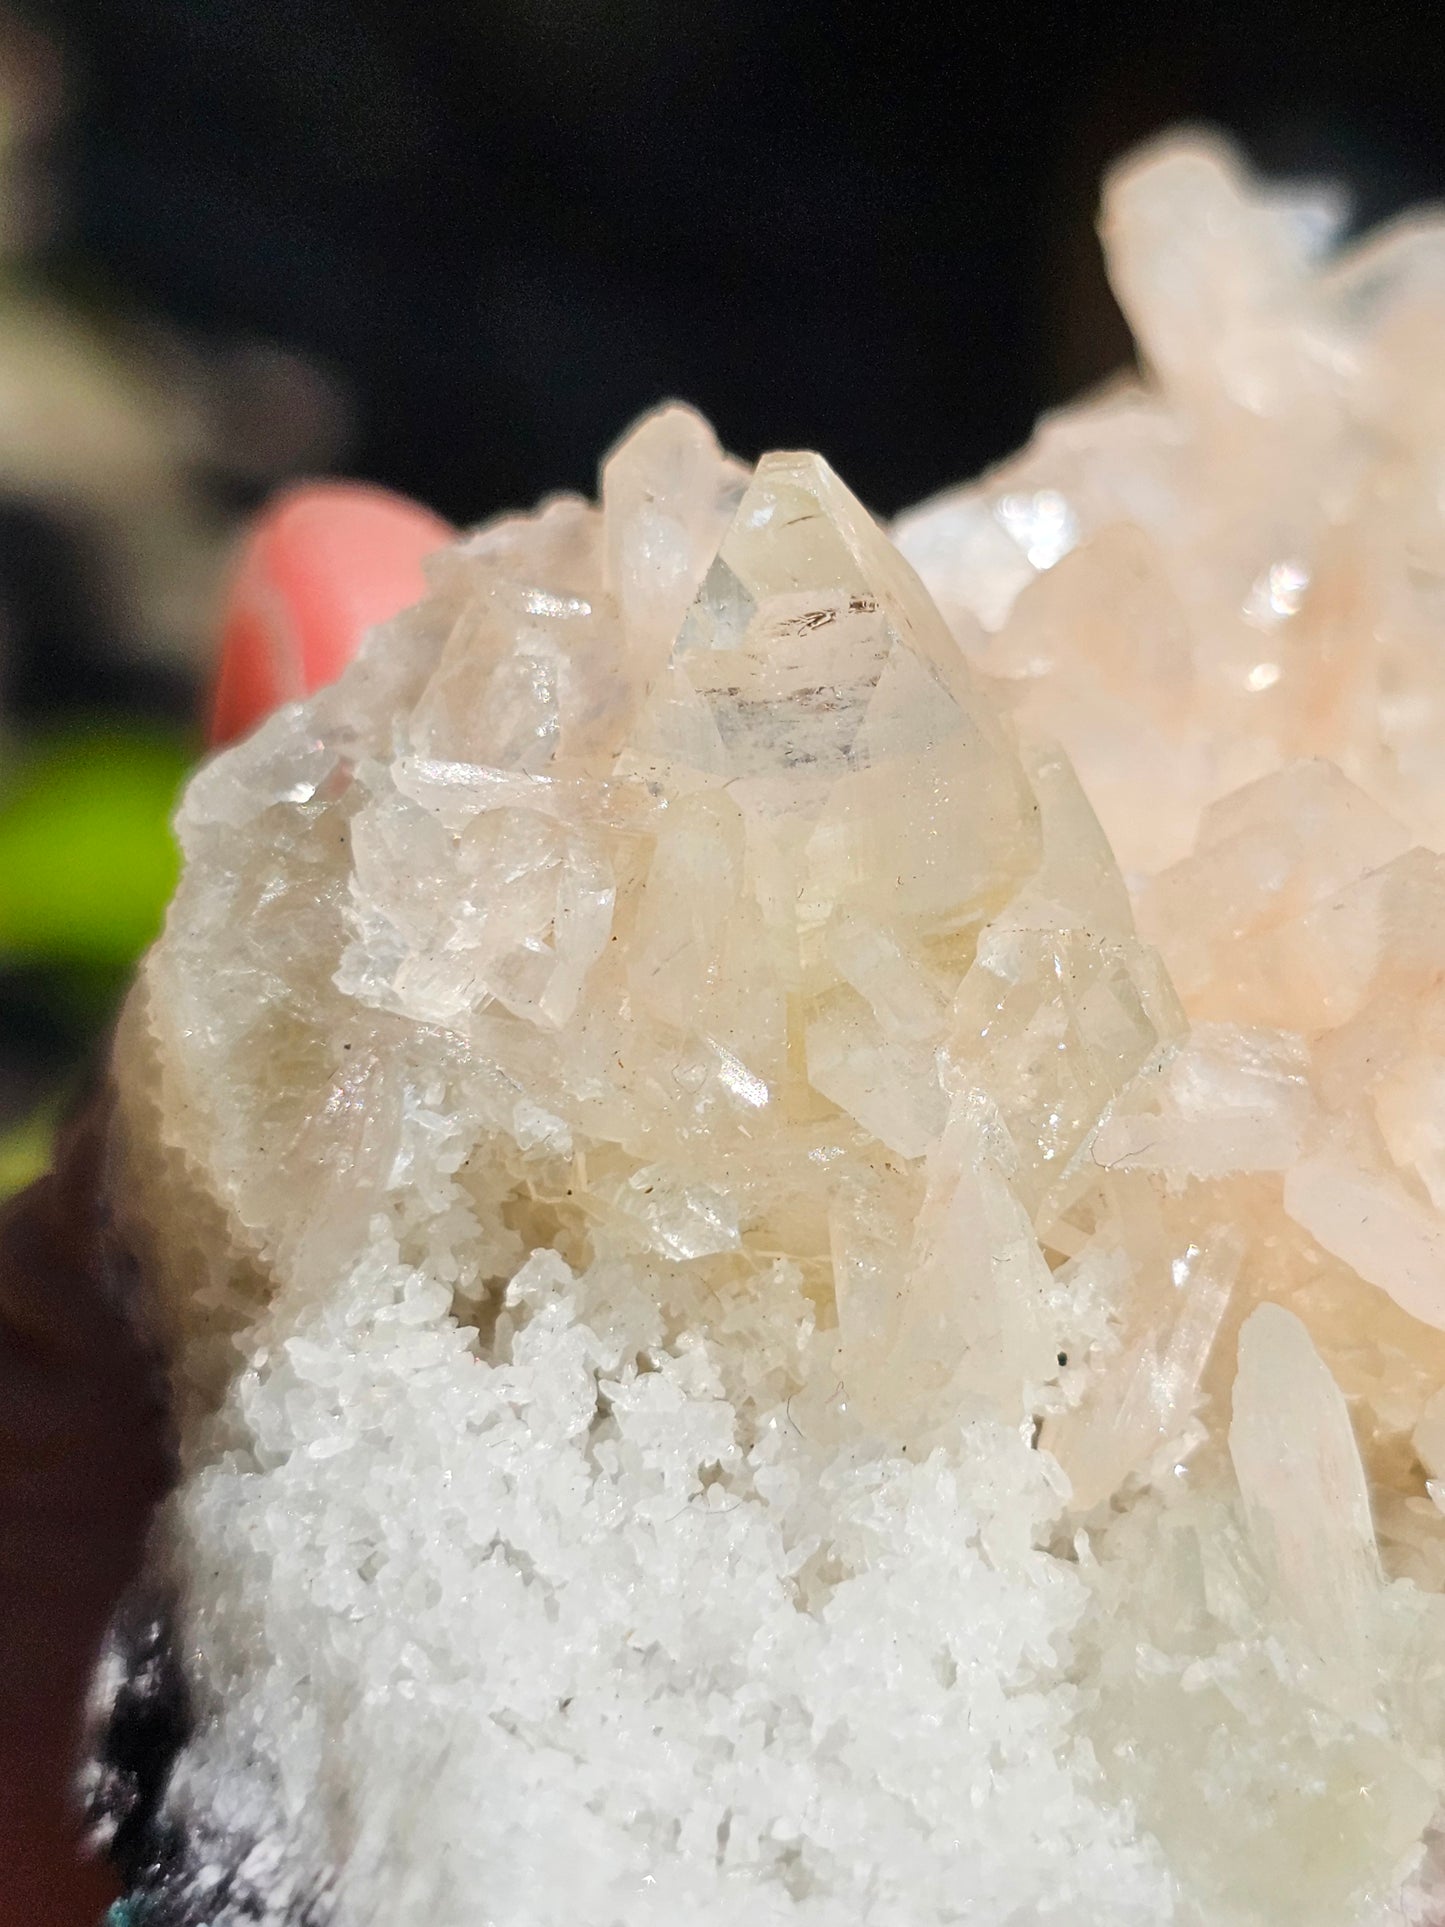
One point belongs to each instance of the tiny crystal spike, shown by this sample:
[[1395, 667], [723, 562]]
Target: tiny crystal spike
[[668, 494]]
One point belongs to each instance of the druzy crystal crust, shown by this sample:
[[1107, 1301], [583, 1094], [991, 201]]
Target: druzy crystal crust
[[797, 1180]]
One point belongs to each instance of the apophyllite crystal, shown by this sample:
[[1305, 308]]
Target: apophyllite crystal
[[771, 1324]]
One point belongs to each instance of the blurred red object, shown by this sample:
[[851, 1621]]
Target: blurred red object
[[322, 565]]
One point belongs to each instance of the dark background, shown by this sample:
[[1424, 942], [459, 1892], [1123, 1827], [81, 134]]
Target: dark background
[[512, 226], [502, 228]]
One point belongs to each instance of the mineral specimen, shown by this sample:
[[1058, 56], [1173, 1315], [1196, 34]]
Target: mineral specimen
[[762, 1331]]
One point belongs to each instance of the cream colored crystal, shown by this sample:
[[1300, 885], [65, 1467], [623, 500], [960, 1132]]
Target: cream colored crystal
[[1303, 1486], [929, 1343]]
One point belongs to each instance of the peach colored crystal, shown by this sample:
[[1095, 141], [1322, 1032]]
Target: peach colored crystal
[[927, 1055]]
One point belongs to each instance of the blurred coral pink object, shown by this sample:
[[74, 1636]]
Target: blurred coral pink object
[[321, 566]]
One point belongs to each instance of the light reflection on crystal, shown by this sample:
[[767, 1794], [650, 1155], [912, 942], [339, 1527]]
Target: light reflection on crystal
[[1277, 594], [1043, 525], [744, 1085], [537, 602]]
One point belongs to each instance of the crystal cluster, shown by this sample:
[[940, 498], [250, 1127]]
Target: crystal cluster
[[755, 1297]]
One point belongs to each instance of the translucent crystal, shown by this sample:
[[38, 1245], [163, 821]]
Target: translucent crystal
[[796, 1181], [1303, 1486]]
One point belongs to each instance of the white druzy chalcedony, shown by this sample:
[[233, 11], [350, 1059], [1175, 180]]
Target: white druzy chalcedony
[[762, 1331]]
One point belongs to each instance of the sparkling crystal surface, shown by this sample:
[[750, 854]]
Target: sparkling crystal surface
[[796, 1179]]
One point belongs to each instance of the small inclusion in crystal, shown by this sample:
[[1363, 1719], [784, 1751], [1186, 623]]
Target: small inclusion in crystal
[[1043, 525]]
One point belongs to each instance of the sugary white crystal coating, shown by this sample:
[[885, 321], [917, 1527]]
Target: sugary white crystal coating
[[763, 1333]]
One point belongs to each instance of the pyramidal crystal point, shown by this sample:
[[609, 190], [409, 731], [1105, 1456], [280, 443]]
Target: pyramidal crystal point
[[794, 1174]]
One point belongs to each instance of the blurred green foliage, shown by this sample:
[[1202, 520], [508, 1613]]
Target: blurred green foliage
[[87, 865], [87, 860], [25, 1149]]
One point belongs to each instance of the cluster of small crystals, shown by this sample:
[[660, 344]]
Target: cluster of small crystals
[[749, 1301]]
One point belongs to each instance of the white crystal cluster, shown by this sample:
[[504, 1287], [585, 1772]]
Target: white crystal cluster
[[766, 1332]]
